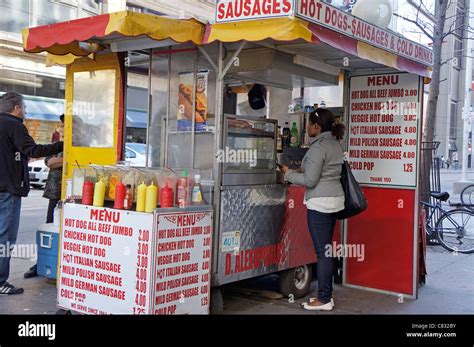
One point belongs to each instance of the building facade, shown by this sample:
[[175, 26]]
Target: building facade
[[42, 87]]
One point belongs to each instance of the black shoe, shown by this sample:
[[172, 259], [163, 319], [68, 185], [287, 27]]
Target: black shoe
[[32, 272], [9, 289]]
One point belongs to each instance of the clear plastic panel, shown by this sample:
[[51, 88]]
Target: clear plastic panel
[[93, 109], [159, 107]]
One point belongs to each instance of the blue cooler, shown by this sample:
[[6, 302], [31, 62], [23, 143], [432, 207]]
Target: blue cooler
[[47, 239]]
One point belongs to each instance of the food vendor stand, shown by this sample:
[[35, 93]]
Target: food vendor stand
[[254, 224]]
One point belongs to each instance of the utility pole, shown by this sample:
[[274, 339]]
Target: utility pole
[[467, 71]]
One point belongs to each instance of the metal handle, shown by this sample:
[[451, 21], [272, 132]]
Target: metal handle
[[50, 242]]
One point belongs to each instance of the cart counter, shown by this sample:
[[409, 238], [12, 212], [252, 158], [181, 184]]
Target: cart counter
[[262, 230]]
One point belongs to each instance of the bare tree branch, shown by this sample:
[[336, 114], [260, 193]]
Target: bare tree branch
[[430, 36]]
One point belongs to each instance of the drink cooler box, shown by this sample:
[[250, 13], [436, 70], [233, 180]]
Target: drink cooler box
[[47, 240]]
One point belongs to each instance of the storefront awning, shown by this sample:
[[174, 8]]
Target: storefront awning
[[84, 36], [288, 29], [47, 110], [136, 119]]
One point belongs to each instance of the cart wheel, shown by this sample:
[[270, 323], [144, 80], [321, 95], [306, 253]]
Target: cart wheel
[[296, 281], [217, 300], [62, 312]]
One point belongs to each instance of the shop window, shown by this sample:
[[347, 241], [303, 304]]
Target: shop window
[[453, 121], [15, 15], [52, 12]]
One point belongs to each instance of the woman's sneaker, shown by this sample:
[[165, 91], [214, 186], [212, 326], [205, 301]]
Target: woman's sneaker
[[315, 305], [9, 289], [313, 299]]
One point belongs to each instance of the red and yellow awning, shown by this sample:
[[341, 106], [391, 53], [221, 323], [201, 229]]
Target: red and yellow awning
[[84, 36], [291, 29], [67, 37]]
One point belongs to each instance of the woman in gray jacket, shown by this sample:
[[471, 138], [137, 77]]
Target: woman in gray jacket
[[320, 174]]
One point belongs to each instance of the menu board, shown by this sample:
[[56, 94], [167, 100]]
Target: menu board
[[384, 127], [105, 261], [182, 262]]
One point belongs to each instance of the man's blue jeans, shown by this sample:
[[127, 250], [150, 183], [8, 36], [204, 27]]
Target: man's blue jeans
[[10, 207], [321, 227]]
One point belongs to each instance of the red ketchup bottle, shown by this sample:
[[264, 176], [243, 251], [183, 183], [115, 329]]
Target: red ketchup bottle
[[87, 193], [166, 197], [120, 192]]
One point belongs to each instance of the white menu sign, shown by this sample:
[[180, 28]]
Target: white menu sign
[[384, 127], [105, 261]]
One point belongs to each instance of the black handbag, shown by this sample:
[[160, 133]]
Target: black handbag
[[355, 201]]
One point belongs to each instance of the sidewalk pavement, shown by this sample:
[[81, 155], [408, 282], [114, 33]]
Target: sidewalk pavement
[[449, 289]]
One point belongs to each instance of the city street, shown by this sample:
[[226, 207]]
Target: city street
[[449, 285]]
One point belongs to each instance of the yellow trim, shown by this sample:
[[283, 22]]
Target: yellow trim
[[52, 59], [280, 29], [158, 28], [25, 33], [377, 55], [86, 155]]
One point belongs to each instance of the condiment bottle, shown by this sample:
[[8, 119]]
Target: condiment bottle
[[99, 193], [141, 197], [87, 193], [151, 198], [166, 197], [183, 190], [197, 193], [127, 204], [120, 192]]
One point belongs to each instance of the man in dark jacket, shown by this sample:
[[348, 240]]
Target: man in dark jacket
[[16, 146]]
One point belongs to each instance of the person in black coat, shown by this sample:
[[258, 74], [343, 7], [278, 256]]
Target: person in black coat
[[16, 147]]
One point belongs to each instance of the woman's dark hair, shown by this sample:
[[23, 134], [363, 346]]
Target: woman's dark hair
[[327, 121]]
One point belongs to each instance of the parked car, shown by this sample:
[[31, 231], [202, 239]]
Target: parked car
[[135, 153], [38, 173]]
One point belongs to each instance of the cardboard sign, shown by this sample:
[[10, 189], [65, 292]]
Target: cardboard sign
[[384, 120]]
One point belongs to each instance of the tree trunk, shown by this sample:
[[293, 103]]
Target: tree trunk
[[428, 135]]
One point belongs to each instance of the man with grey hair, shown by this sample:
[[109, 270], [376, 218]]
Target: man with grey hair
[[16, 146]]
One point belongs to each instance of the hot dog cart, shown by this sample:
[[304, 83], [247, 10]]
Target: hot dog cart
[[258, 222]]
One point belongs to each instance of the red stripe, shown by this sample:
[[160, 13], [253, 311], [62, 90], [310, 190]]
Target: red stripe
[[408, 65], [121, 112], [207, 33], [334, 39], [67, 32]]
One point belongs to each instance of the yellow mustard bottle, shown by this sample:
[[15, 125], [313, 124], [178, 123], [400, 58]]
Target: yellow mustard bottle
[[151, 198], [141, 197], [99, 193]]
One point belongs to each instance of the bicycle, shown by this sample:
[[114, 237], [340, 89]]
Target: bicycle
[[467, 197], [453, 229]]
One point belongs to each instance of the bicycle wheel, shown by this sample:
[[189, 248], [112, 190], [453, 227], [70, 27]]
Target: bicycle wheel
[[467, 197], [455, 231]]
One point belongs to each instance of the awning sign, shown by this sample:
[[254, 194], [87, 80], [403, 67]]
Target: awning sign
[[236, 10], [328, 16]]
